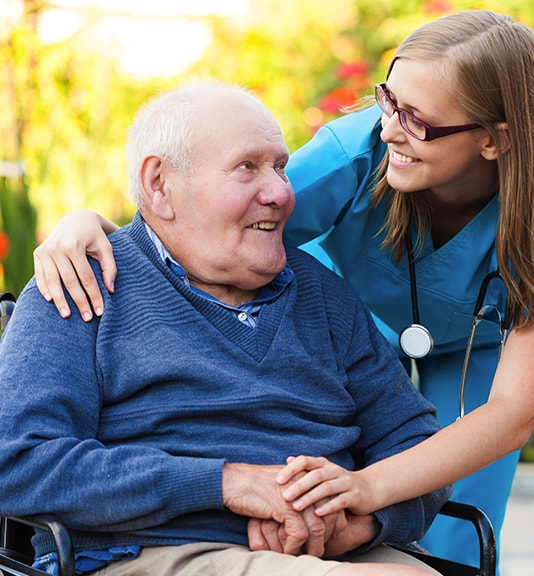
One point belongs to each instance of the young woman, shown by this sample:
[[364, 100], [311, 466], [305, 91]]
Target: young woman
[[425, 204]]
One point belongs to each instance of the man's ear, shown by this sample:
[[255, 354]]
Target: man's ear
[[493, 146], [156, 192]]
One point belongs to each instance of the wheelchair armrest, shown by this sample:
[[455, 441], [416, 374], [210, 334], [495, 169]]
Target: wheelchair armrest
[[7, 305], [486, 538], [60, 535], [486, 535]]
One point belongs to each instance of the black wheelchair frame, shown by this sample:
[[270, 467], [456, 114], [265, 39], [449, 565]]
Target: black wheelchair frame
[[16, 552]]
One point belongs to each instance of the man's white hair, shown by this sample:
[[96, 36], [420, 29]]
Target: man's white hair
[[163, 127]]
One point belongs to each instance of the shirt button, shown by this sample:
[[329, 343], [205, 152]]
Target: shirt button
[[242, 316]]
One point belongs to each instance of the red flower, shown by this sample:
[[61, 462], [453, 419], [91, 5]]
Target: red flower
[[4, 245], [348, 69], [338, 99], [436, 7]]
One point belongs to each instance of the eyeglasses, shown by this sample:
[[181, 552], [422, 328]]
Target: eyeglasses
[[411, 124]]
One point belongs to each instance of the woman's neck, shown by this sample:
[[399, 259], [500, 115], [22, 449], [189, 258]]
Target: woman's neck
[[447, 219]]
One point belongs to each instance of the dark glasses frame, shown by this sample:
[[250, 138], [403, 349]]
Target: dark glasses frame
[[431, 132]]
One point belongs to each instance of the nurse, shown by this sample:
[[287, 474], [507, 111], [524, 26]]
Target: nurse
[[438, 172]]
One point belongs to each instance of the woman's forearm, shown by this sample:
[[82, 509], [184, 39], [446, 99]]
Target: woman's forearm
[[484, 435]]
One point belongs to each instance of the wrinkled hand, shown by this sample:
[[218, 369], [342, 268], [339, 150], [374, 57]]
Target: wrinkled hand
[[358, 530], [344, 534], [63, 257], [252, 491], [271, 535]]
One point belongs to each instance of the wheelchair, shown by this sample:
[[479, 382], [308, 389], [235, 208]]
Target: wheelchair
[[16, 552]]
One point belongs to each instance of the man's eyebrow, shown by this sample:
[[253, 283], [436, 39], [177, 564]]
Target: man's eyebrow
[[256, 152]]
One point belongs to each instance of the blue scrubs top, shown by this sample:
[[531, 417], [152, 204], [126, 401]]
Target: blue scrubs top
[[332, 178]]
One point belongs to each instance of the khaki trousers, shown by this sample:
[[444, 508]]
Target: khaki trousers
[[208, 559]]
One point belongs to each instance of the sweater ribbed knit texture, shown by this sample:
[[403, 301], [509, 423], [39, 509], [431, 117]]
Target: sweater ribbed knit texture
[[121, 426]]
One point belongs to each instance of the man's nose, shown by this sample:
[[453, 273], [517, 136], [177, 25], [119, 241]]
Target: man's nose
[[276, 190]]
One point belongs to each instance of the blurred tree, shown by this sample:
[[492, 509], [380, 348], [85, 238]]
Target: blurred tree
[[18, 217], [65, 108], [307, 59], [285, 52], [63, 121]]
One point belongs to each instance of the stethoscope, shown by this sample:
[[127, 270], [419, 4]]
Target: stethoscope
[[480, 312], [416, 340]]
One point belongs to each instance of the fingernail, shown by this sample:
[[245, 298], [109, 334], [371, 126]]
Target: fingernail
[[99, 311], [287, 494], [87, 316], [64, 313], [48, 298], [298, 505]]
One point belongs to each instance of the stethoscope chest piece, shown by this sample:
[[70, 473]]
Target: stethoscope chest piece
[[416, 341]]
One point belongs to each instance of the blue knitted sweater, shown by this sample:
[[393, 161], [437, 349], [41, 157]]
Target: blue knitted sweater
[[121, 426]]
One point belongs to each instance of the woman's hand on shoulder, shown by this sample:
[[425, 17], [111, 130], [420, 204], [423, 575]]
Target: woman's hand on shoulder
[[63, 258]]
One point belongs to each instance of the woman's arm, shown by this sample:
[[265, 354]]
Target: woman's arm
[[63, 257], [496, 428]]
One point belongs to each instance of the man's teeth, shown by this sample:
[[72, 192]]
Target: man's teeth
[[264, 225], [403, 158]]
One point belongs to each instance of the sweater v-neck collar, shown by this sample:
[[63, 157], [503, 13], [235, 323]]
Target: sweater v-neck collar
[[254, 341]]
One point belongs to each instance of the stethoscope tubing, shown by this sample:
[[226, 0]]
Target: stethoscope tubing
[[416, 340], [479, 314]]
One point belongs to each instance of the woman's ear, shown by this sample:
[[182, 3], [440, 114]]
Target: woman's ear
[[156, 193], [494, 146]]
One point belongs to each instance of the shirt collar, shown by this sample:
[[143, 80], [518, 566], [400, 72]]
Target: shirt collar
[[267, 293]]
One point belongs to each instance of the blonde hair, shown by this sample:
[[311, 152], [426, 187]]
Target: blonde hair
[[489, 63]]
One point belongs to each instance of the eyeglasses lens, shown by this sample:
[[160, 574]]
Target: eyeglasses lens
[[384, 102], [410, 123]]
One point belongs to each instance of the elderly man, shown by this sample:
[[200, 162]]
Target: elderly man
[[156, 431]]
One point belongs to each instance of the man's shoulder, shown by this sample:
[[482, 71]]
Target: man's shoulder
[[301, 262], [131, 240], [135, 256], [323, 296], [315, 275]]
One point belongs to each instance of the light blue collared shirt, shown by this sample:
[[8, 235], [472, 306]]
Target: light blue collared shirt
[[249, 311]]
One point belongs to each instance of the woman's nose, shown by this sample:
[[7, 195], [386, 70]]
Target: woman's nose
[[391, 128]]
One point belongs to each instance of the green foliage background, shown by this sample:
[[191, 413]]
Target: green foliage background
[[65, 108]]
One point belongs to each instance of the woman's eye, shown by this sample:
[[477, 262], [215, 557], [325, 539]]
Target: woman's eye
[[416, 123]]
